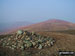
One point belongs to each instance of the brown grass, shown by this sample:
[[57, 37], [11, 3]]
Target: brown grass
[[65, 42]]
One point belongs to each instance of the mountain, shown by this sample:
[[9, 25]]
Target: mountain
[[51, 25], [21, 24]]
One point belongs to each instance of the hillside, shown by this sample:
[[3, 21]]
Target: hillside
[[51, 25]]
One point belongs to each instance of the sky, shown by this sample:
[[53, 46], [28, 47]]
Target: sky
[[36, 10]]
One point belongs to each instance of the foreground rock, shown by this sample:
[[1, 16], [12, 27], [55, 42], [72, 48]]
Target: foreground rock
[[24, 40]]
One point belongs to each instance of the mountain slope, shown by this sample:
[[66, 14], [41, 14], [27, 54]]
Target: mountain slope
[[51, 25]]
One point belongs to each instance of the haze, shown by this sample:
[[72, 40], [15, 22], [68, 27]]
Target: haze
[[34, 11]]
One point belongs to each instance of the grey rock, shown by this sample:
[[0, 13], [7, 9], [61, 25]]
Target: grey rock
[[40, 46], [19, 32]]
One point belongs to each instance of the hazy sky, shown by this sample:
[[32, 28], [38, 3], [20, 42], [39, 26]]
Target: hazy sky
[[36, 10]]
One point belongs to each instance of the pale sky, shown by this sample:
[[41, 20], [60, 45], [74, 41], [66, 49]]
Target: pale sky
[[36, 10]]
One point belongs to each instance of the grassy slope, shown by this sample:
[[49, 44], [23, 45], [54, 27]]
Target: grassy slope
[[64, 41], [68, 32]]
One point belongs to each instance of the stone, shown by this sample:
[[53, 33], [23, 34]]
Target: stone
[[39, 41], [34, 43], [51, 43], [22, 47], [28, 44], [27, 38], [32, 33], [19, 32], [40, 46]]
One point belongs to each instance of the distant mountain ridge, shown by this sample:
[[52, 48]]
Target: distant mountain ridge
[[4, 27], [49, 25]]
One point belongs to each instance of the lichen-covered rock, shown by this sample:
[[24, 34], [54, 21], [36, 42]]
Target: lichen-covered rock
[[28, 44], [40, 46], [19, 32]]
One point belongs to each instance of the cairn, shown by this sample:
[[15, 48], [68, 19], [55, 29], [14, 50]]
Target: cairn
[[23, 40]]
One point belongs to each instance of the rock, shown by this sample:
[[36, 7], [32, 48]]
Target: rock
[[34, 43], [39, 41], [51, 43], [40, 46], [32, 33], [28, 44], [4, 44], [19, 32], [22, 47], [28, 38]]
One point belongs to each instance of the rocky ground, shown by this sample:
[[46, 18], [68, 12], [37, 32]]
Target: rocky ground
[[26, 42], [62, 42]]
